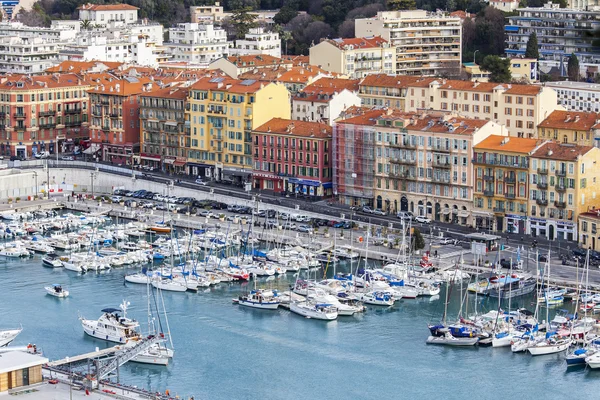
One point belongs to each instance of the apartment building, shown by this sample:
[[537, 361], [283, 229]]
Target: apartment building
[[234, 66], [325, 99], [295, 78], [22, 55], [102, 14], [524, 70], [293, 157], [257, 41], [588, 226], [560, 32], [222, 113], [563, 186], [355, 57], [501, 166], [424, 164], [207, 14], [382, 90], [134, 49], [18, 29], [426, 43], [580, 128], [505, 5], [577, 96], [37, 112], [163, 138], [354, 157], [197, 43], [519, 107], [115, 116]]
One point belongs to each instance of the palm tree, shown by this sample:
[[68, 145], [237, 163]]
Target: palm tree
[[86, 24]]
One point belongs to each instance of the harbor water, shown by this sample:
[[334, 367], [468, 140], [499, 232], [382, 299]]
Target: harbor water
[[224, 351]]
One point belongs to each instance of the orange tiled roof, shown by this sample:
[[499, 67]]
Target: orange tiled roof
[[323, 89], [297, 60], [296, 128], [358, 43], [27, 82], [489, 87], [453, 125], [79, 67], [508, 144], [172, 92], [262, 60], [111, 85], [107, 7], [229, 85], [560, 151], [284, 74], [369, 118], [580, 121]]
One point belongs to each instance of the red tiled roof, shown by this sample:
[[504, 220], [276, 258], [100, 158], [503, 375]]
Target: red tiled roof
[[561, 151], [295, 128], [324, 89], [36, 82], [107, 7], [258, 61], [508, 144], [580, 121], [358, 43], [229, 85], [384, 80], [369, 118]]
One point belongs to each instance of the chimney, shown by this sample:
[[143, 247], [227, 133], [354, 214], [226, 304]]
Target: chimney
[[577, 118], [505, 140]]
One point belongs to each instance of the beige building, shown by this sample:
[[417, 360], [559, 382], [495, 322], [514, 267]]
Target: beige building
[[355, 57], [426, 43], [524, 70], [424, 164], [580, 128], [519, 107], [563, 186], [234, 66], [588, 227], [207, 14], [381, 90]]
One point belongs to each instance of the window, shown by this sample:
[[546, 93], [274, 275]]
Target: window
[[530, 113], [530, 101], [508, 99], [508, 111]]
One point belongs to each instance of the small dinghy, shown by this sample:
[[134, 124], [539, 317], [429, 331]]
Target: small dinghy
[[57, 291]]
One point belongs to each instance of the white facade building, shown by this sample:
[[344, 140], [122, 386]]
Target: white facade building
[[577, 96], [132, 49], [197, 43], [426, 43], [27, 55], [55, 33], [324, 106], [103, 14], [257, 41]]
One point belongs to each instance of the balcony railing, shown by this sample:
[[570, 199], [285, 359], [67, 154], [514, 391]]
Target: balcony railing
[[49, 125], [19, 128], [560, 188], [561, 172], [441, 164], [499, 209], [542, 185], [402, 161], [19, 115], [488, 193], [542, 171], [404, 145], [510, 179], [442, 149], [48, 113], [72, 123], [72, 111], [542, 202], [510, 195], [488, 177], [114, 115], [560, 204], [106, 128]]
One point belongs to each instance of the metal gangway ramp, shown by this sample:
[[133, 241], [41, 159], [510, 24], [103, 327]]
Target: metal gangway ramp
[[105, 366]]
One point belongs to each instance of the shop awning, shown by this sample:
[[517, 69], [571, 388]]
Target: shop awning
[[171, 123], [446, 211], [179, 163], [94, 147], [463, 213], [168, 161]]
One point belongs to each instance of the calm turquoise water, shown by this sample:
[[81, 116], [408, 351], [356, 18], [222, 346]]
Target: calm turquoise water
[[224, 351]]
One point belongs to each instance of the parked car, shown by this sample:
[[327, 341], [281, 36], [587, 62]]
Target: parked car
[[289, 226], [379, 211], [42, 155], [405, 215], [17, 158], [206, 213], [305, 229], [200, 182], [339, 224], [116, 199], [271, 223], [422, 219], [67, 158], [367, 209]]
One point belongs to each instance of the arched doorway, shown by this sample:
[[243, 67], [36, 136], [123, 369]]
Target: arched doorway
[[404, 204], [429, 208], [412, 207], [446, 212], [550, 232], [438, 208], [421, 207], [379, 202], [395, 205], [455, 214], [387, 205]]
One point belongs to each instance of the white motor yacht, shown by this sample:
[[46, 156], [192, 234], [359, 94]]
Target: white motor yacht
[[111, 326], [8, 335], [52, 260], [261, 299], [309, 309], [57, 291]]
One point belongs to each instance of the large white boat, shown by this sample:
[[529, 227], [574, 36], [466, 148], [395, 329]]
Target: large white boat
[[593, 361], [52, 260], [377, 298], [8, 335], [308, 309], [169, 285], [550, 346], [344, 309], [111, 326], [262, 299]]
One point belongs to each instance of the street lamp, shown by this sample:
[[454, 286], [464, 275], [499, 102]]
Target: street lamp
[[92, 178], [36, 183]]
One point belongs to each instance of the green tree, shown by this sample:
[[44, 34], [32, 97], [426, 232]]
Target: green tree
[[86, 25], [418, 240], [532, 47], [498, 67], [401, 5], [573, 68], [243, 21]]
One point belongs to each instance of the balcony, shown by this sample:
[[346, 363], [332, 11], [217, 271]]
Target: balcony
[[440, 149], [441, 164], [402, 145], [19, 115], [561, 172], [560, 204], [542, 202], [542, 185], [106, 128], [47, 113], [20, 128], [488, 177], [440, 179], [72, 111], [2, 115], [488, 193], [72, 123], [49, 125], [105, 101], [510, 195], [405, 161], [114, 115], [499, 209], [542, 171], [97, 113], [219, 111], [510, 180], [560, 188]]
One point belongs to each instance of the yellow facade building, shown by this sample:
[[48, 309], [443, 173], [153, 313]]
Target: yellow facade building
[[572, 127], [563, 186], [521, 69], [220, 115]]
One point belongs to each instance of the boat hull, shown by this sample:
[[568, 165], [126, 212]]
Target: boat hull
[[265, 305], [89, 327], [441, 340], [548, 349]]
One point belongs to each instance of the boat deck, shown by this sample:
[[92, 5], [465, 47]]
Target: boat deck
[[83, 357]]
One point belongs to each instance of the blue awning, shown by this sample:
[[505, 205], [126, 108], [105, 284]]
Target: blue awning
[[327, 185], [111, 310], [511, 28]]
